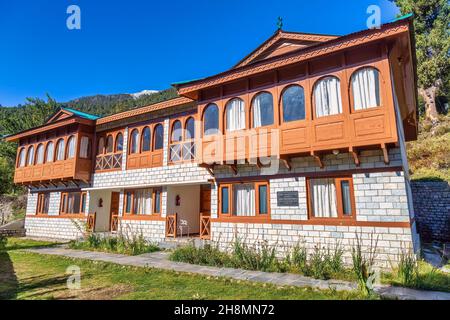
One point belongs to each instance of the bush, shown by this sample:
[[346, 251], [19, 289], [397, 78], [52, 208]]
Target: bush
[[3, 242], [134, 245], [253, 258], [363, 265], [207, 255], [408, 269]]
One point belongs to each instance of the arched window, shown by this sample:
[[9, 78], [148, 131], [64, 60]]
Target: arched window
[[293, 103], [327, 97], [366, 88], [146, 138], [211, 120], [262, 108], [190, 129], [71, 147], [119, 142], [235, 114], [159, 137], [50, 152], [109, 144], [40, 154], [60, 150], [134, 146], [85, 147], [30, 156], [22, 159], [101, 145], [176, 132]]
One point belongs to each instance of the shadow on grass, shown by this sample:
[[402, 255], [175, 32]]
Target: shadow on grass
[[9, 285]]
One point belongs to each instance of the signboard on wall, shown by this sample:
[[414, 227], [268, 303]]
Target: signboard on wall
[[287, 198]]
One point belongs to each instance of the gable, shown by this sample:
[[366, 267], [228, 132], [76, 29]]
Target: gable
[[59, 115], [283, 42]]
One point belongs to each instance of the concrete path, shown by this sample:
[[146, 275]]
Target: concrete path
[[160, 260]]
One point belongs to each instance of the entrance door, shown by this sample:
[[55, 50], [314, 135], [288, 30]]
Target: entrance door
[[114, 212], [205, 212]]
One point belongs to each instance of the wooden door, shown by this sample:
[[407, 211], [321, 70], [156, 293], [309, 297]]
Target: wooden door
[[205, 200], [114, 211]]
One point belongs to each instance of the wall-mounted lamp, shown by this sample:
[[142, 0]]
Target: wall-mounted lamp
[[335, 152], [100, 203]]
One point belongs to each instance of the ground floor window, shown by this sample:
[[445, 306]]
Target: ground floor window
[[143, 201], [331, 197], [73, 202], [244, 199], [43, 203]]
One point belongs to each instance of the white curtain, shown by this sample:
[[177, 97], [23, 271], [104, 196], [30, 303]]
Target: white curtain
[[327, 95], [134, 141], [60, 150], [366, 89], [22, 158], [30, 156], [244, 199], [257, 121], [71, 148], [235, 115], [40, 154], [50, 152], [323, 192], [143, 201], [84, 147]]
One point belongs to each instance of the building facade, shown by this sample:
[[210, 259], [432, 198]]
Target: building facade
[[302, 141]]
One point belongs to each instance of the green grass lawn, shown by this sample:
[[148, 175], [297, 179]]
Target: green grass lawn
[[25, 275]]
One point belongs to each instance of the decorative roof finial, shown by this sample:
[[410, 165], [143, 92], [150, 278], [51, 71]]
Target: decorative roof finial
[[280, 23]]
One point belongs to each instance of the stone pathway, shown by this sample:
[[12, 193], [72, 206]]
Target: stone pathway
[[160, 260]]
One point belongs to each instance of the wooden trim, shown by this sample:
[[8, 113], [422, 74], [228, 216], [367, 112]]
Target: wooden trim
[[64, 203], [133, 216], [65, 216], [330, 222]]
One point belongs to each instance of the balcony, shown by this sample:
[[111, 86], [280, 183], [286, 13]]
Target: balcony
[[108, 162]]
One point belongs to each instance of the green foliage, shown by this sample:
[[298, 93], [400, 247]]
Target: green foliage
[[363, 265], [431, 21], [122, 244], [408, 269], [3, 242]]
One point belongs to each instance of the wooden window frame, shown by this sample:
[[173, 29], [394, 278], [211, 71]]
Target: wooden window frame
[[141, 140], [340, 215], [67, 145], [40, 203], [21, 149], [340, 75], [154, 127], [256, 185], [352, 72], [89, 148], [63, 203], [152, 214], [116, 140], [252, 107], [216, 105], [184, 140], [303, 85]]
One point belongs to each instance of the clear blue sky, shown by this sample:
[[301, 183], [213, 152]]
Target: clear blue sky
[[129, 46]]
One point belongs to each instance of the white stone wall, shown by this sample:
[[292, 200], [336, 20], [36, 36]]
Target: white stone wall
[[152, 230], [288, 213], [57, 228], [391, 241], [31, 203]]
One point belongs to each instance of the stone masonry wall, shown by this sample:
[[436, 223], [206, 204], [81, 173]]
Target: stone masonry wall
[[154, 231], [57, 228], [432, 207]]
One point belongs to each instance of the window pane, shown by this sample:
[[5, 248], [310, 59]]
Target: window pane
[[243, 200], [71, 148], [22, 158], [157, 201], [262, 199], [60, 150], [235, 115], [40, 154], [101, 146], [346, 204], [327, 97], [50, 152], [146, 139], [119, 142], [83, 202], [211, 120], [128, 203], [30, 156], [262, 110], [84, 147], [293, 99], [46, 203], [190, 129], [73, 202], [225, 200], [366, 88], [134, 141], [142, 203], [323, 198], [109, 144], [159, 137], [176, 131]]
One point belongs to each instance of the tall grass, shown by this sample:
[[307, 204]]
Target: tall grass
[[408, 269], [363, 264]]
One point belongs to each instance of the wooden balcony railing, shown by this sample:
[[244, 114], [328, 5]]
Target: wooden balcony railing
[[183, 151], [114, 223], [108, 162], [205, 226], [171, 225]]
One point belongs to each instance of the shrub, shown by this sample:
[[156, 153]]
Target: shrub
[[299, 258], [408, 269], [3, 242], [363, 265], [207, 255], [253, 258]]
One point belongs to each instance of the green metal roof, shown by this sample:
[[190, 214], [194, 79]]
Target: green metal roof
[[405, 16], [81, 114], [187, 81]]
